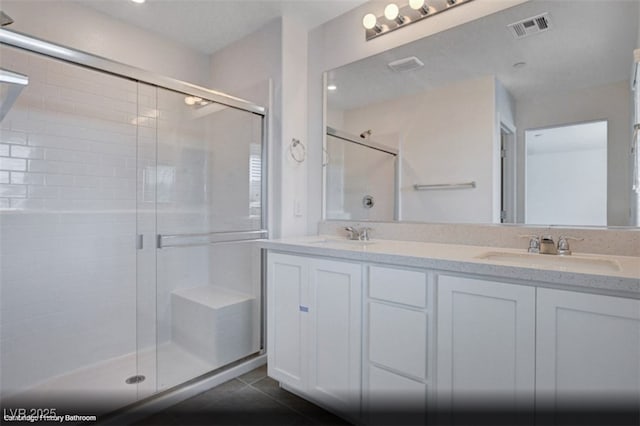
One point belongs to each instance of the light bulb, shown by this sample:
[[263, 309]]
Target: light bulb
[[190, 100], [391, 11], [138, 1], [369, 21], [416, 4], [332, 87]]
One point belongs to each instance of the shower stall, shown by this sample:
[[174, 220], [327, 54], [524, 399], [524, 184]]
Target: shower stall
[[129, 207], [361, 178]]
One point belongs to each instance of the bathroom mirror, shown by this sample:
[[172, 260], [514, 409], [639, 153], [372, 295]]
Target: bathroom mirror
[[524, 116]]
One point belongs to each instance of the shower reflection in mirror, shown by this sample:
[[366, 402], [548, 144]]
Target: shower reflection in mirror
[[361, 177]]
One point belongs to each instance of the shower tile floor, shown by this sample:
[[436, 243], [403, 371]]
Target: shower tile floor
[[251, 399]]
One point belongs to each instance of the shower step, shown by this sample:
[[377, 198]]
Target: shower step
[[214, 324]]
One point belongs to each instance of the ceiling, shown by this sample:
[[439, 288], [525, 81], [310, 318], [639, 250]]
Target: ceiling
[[590, 43], [576, 137], [209, 25]]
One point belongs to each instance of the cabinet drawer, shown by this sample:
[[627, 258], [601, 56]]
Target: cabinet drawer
[[398, 285], [388, 388], [397, 339]]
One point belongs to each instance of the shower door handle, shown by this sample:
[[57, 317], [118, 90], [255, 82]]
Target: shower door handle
[[208, 238]]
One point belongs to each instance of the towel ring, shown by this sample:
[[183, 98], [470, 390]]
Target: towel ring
[[297, 150]]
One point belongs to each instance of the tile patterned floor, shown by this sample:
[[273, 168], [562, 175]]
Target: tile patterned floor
[[251, 399]]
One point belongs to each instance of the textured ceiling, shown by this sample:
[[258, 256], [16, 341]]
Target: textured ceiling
[[209, 25], [590, 43]]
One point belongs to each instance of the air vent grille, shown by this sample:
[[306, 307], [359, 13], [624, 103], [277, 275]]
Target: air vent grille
[[530, 26], [406, 64]]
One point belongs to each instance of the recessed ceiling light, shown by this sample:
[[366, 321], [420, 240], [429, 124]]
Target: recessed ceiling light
[[138, 1], [332, 87]]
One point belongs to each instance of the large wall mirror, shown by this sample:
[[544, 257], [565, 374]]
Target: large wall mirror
[[490, 122]]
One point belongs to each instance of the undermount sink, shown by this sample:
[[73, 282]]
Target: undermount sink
[[341, 241], [531, 260]]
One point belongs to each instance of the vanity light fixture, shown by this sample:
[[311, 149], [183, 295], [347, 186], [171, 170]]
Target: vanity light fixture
[[392, 13], [395, 17], [420, 6], [370, 22]]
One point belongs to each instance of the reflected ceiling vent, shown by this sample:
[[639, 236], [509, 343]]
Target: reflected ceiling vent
[[530, 26], [406, 64]]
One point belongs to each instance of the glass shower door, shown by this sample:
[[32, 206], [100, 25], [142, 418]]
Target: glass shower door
[[207, 185], [67, 225]]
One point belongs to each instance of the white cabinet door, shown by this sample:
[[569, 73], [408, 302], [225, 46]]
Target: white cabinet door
[[314, 328], [588, 351], [335, 300], [486, 338], [287, 285]]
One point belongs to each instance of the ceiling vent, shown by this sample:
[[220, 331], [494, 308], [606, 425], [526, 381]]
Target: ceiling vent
[[406, 64], [530, 26]]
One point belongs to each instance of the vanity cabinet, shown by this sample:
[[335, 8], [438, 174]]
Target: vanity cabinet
[[392, 339], [398, 343], [485, 345], [588, 350], [314, 328]]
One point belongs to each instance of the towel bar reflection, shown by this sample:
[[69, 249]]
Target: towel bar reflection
[[462, 185]]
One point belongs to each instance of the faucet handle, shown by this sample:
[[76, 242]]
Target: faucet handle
[[364, 233], [534, 243], [353, 233], [563, 244]]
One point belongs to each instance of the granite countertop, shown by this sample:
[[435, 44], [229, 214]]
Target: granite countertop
[[607, 274]]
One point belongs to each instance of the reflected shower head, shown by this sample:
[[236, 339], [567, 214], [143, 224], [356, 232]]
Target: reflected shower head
[[5, 19], [365, 134]]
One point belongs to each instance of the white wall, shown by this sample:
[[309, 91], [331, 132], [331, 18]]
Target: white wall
[[610, 102], [294, 125], [341, 41], [567, 188], [71, 24], [276, 54], [446, 136]]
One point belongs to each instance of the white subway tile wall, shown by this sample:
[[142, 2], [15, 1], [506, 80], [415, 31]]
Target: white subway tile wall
[[67, 221]]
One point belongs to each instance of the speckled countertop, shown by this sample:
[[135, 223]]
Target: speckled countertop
[[614, 275]]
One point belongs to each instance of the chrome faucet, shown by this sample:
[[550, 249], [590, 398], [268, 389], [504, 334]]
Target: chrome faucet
[[534, 243], [546, 245], [356, 234], [563, 245]]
